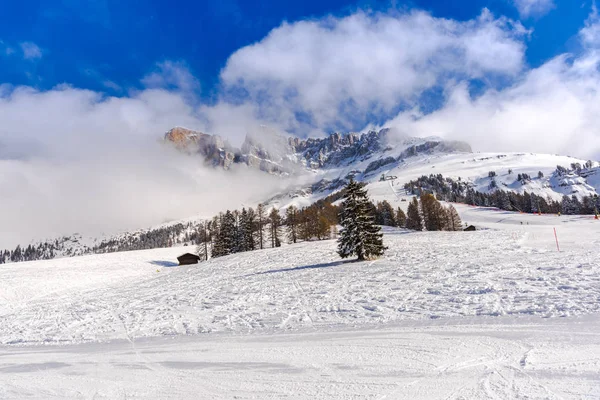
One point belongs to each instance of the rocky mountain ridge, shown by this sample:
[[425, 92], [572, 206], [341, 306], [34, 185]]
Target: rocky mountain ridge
[[277, 154]]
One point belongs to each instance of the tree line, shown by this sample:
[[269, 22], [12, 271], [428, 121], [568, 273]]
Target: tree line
[[165, 236], [458, 191], [249, 229]]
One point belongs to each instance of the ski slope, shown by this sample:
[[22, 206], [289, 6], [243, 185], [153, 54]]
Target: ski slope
[[497, 313], [469, 358], [305, 286]]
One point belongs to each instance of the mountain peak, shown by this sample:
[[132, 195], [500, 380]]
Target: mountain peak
[[268, 150]]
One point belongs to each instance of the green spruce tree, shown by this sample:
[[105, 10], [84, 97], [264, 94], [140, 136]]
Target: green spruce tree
[[400, 218], [414, 220], [291, 220], [359, 236]]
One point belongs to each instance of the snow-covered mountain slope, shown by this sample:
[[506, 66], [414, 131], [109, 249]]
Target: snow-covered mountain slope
[[323, 165], [128, 295], [573, 178], [175, 233]]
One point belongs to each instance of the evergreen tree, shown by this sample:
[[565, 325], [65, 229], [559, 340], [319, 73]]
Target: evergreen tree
[[385, 214], [275, 228], [502, 201], [434, 215], [454, 222], [291, 220], [400, 218], [575, 203], [249, 230], [238, 233], [359, 236], [414, 220], [217, 249], [228, 233], [242, 240], [568, 207], [261, 220]]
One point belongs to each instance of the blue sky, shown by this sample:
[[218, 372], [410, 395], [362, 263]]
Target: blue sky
[[110, 45]]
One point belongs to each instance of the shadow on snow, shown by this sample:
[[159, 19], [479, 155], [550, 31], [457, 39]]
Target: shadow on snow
[[315, 266], [164, 263]]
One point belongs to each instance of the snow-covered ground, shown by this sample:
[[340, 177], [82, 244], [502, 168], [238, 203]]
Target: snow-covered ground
[[305, 286], [470, 167], [468, 358], [497, 313]]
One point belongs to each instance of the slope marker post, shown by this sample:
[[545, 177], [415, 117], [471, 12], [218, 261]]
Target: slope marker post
[[556, 237]]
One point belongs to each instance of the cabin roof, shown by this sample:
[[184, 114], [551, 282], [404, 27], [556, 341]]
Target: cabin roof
[[188, 255]]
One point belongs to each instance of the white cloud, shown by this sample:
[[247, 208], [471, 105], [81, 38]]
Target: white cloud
[[111, 85], [553, 109], [172, 75], [31, 51], [534, 8], [590, 33], [75, 160], [338, 70]]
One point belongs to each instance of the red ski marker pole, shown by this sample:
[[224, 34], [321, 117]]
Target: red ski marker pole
[[556, 237]]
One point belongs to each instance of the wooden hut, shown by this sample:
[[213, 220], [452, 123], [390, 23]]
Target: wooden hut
[[188, 258]]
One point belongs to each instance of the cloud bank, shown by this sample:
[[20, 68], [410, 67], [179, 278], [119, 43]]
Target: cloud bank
[[73, 160], [337, 71], [423, 76], [554, 108]]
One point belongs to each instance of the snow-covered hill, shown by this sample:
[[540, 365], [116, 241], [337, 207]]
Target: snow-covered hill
[[573, 178], [515, 270], [441, 315]]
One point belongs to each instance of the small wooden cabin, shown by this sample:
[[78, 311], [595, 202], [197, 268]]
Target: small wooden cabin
[[188, 258]]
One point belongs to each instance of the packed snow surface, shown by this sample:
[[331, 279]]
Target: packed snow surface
[[473, 358], [304, 286], [497, 313]]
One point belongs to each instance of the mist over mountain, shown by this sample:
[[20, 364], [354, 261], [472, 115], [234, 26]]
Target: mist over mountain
[[269, 151]]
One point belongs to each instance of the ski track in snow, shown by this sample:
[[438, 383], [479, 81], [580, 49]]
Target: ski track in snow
[[303, 286], [502, 358]]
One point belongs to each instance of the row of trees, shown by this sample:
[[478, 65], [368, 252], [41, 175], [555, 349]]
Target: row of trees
[[428, 213], [362, 237], [249, 229], [458, 191]]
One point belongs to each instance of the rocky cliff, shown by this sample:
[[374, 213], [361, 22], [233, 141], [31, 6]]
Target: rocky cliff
[[271, 152]]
